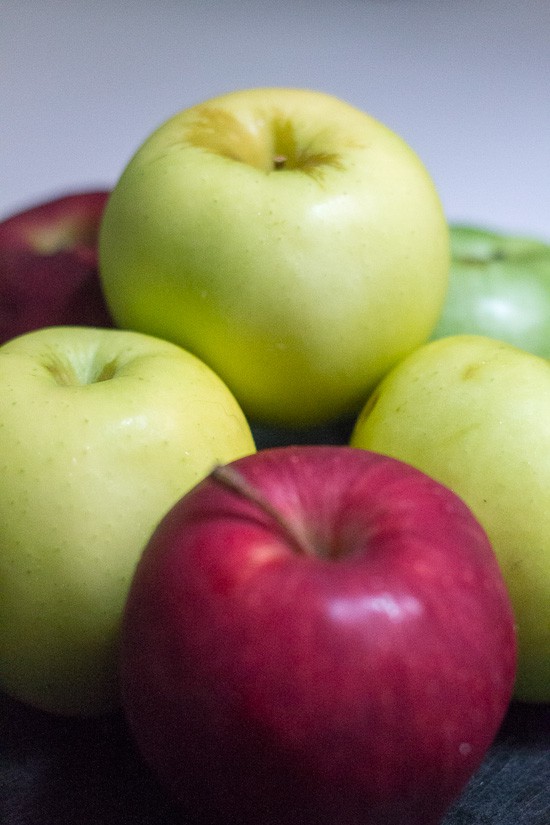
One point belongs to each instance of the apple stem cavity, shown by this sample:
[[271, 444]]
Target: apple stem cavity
[[279, 162], [235, 481], [107, 372], [66, 374]]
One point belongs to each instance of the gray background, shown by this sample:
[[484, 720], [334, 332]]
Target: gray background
[[465, 82]]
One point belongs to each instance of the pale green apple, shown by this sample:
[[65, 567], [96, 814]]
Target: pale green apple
[[499, 285], [294, 243], [101, 431], [474, 413]]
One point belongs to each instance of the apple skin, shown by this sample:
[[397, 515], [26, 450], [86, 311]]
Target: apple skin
[[101, 431], [293, 280], [358, 684], [499, 286], [474, 413], [48, 265]]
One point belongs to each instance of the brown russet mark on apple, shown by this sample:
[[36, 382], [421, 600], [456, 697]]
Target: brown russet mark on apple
[[62, 372], [470, 371], [303, 159], [218, 131]]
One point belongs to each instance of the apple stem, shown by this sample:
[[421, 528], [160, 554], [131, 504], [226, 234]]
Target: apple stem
[[237, 483], [279, 161]]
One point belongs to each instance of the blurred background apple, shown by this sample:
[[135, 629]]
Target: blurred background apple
[[499, 285], [48, 265]]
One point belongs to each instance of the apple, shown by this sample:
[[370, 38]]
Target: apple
[[48, 265], [316, 634], [101, 431], [500, 287], [282, 235], [474, 413]]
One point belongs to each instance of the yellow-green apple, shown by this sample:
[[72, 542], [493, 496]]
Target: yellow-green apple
[[285, 237], [101, 431], [474, 413], [499, 286], [317, 634], [48, 265]]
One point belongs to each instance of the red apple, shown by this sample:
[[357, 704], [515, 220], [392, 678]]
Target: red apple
[[48, 266], [317, 634]]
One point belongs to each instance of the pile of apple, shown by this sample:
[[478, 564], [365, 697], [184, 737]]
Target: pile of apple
[[305, 633]]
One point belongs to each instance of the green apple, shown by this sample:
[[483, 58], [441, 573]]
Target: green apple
[[474, 413], [101, 431], [499, 286], [284, 237]]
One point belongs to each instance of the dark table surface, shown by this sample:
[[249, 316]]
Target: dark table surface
[[58, 771]]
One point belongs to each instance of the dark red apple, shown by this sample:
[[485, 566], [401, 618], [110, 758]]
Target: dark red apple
[[48, 265], [317, 635]]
